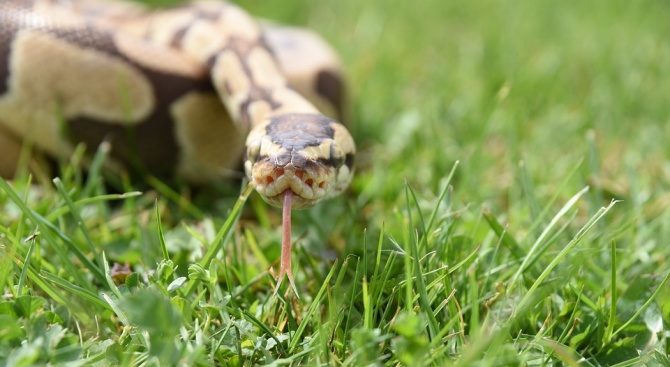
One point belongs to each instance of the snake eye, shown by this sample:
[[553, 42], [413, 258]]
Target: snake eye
[[336, 155], [253, 150]]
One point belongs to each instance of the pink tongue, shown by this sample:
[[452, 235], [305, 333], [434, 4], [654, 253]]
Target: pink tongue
[[285, 264]]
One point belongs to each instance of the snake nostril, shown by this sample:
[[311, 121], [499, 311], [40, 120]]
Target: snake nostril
[[279, 172], [309, 182], [269, 179], [322, 184], [299, 174]]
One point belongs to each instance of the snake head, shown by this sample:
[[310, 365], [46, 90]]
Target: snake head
[[309, 154]]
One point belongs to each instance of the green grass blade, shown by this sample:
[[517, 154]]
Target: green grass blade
[[46, 230], [74, 289], [92, 248], [564, 252], [568, 205], [312, 308], [440, 198], [26, 264], [224, 232], [418, 275], [94, 177], [503, 234], [646, 304], [174, 196], [609, 331], [161, 235], [91, 200]]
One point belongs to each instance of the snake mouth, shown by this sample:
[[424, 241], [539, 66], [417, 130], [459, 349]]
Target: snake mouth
[[306, 187]]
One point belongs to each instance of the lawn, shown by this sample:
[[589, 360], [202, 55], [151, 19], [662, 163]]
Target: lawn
[[510, 209]]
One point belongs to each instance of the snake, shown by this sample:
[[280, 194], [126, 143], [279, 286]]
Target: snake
[[199, 91]]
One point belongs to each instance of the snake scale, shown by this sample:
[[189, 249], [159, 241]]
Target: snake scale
[[194, 91]]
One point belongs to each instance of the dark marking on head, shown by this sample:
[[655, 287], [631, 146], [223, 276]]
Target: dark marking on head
[[300, 130], [329, 85], [294, 132], [326, 162], [349, 160]]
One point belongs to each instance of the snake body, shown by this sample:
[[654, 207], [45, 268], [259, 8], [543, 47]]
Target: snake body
[[195, 91]]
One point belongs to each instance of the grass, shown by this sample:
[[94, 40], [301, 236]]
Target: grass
[[510, 208]]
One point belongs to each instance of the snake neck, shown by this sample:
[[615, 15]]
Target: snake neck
[[257, 92], [248, 79], [242, 68]]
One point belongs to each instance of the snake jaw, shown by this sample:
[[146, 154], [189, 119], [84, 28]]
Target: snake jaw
[[310, 154], [311, 173], [308, 188]]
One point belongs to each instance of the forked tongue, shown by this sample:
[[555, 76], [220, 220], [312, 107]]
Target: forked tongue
[[285, 262]]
